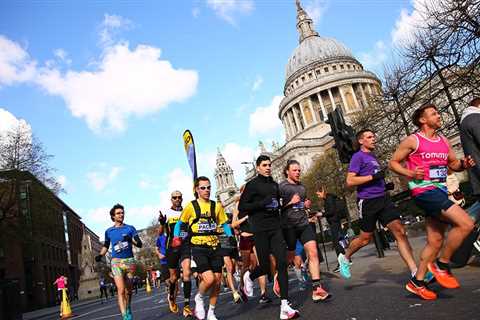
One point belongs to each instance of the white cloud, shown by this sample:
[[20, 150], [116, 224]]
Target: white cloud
[[16, 65], [126, 83], [179, 180], [9, 122], [62, 55], [316, 9], [109, 27], [409, 22], [228, 9], [100, 179], [264, 120], [257, 83], [375, 59], [63, 181]]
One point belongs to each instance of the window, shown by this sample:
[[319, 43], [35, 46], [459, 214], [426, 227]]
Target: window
[[342, 67], [348, 66], [317, 72], [303, 79], [310, 75], [334, 68], [325, 69]]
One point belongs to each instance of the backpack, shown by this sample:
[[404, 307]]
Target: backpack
[[211, 223]]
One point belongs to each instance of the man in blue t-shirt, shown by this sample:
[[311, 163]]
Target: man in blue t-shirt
[[374, 203], [161, 251], [121, 236]]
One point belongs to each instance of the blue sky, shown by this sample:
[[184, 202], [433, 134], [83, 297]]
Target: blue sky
[[109, 87]]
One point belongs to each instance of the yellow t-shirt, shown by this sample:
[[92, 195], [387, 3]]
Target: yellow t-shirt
[[188, 215]]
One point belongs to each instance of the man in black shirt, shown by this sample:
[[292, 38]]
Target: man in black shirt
[[260, 200]]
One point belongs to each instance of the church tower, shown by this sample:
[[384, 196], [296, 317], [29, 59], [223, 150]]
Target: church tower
[[226, 188]]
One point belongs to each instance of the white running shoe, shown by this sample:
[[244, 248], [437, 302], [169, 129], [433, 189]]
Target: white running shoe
[[287, 312], [199, 307], [211, 316], [247, 284]]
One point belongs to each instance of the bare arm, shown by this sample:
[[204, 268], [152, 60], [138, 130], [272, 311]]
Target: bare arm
[[354, 180], [235, 221], [159, 254], [103, 251], [407, 146], [456, 164]]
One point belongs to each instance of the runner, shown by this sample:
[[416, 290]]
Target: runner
[[177, 257], [248, 252], [260, 200], [229, 251], [161, 251], [296, 226], [298, 263], [374, 204], [202, 216], [121, 236], [428, 157]]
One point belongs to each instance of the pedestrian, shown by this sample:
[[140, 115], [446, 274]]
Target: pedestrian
[[204, 216], [261, 200], [121, 236], [470, 137], [61, 283], [428, 157], [103, 289]]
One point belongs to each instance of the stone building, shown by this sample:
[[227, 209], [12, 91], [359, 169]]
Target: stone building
[[227, 190]]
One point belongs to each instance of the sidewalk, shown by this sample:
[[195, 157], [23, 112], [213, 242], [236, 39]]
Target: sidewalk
[[50, 311]]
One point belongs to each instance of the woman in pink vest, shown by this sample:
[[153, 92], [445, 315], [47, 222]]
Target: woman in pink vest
[[428, 158]]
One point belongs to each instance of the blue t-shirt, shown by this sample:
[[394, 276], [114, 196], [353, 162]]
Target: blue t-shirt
[[366, 164], [162, 247], [116, 236]]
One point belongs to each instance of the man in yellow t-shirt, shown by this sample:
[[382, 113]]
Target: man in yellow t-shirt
[[203, 217]]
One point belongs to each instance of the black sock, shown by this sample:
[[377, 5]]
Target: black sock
[[315, 283], [418, 283], [187, 290], [171, 289], [442, 265]]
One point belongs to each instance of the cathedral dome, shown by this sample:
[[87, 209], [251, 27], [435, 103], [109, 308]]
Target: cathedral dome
[[315, 49]]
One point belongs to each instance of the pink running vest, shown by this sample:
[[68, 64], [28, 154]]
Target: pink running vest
[[432, 155]]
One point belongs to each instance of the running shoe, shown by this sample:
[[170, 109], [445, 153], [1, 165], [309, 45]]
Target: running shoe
[[199, 307], [276, 285], [247, 284], [264, 299], [337, 269], [444, 277], [128, 314], [187, 312], [172, 304], [287, 312], [236, 297], [476, 244], [344, 265], [319, 294], [421, 291], [211, 316]]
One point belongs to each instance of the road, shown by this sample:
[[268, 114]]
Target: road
[[376, 291]]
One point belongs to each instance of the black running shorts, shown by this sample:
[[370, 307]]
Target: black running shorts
[[380, 208], [177, 255], [207, 259], [303, 233]]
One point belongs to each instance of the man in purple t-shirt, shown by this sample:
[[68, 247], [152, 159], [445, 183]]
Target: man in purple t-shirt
[[365, 173]]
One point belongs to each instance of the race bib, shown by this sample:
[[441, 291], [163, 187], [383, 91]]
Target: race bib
[[299, 206], [206, 227], [273, 205], [183, 234], [438, 173], [120, 246]]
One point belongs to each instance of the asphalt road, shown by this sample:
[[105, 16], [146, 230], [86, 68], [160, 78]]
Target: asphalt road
[[376, 291]]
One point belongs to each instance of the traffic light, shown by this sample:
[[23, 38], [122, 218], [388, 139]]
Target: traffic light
[[343, 135]]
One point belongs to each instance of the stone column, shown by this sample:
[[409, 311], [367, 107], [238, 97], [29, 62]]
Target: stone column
[[344, 101], [332, 101], [303, 115], [364, 98], [288, 129], [322, 107], [314, 116], [369, 86], [297, 121], [291, 121], [354, 97]]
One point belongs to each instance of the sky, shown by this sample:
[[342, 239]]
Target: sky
[[109, 87]]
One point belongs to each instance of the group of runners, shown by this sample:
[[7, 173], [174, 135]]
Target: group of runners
[[273, 223]]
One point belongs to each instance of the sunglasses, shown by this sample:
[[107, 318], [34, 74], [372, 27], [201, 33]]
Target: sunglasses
[[176, 197], [205, 187]]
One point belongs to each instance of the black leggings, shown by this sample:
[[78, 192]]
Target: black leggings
[[272, 242]]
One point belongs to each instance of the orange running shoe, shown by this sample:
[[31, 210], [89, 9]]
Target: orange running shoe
[[444, 277], [421, 291], [319, 294]]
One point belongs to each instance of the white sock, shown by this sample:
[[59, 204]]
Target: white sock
[[211, 309], [414, 272], [284, 302]]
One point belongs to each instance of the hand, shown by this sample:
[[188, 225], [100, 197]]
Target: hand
[[176, 242], [308, 203], [389, 186], [418, 173], [378, 175], [468, 162], [295, 199], [98, 258]]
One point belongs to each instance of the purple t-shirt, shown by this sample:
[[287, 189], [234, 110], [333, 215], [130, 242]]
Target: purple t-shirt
[[366, 164]]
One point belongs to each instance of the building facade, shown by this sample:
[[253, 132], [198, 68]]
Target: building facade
[[227, 190]]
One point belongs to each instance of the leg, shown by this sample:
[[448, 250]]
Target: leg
[[120, 284], [361, 241], [335, 233], [435, 233], [404, 247], [462, 225], [187, 283], [215, 288], [278, 248], [313, 262]]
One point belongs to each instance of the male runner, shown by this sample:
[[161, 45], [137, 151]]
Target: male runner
[[203, 216], [260, 200], [177, 257], [374, 203], [161, 250], [121, 236], [296, 226], [428, 157]]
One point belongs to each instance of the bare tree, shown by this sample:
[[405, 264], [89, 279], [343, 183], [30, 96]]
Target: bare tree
[[21, 150]]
